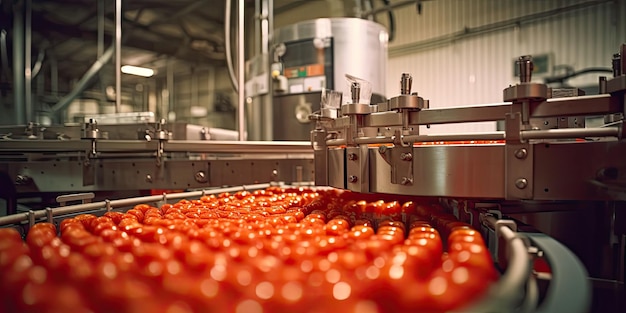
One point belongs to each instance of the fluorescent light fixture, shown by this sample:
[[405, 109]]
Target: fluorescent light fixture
[[136, 70]]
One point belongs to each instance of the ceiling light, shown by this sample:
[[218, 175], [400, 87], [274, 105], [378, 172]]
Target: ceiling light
[[136, 70]]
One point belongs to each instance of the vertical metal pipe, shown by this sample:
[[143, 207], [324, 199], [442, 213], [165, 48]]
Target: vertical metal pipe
[[18, 63], [270, 18], [262, 114], [240, 71], [54, 75], [211, 86], [194, 87], [258, 18], [265, 26], [28, 63], [100, 49], [100, 28], [118, 55], [268, 99], [170, 88]]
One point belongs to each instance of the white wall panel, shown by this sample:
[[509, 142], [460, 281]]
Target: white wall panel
[[475, 69]]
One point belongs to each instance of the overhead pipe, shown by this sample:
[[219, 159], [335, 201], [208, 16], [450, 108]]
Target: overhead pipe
[[392, 6], [18, 63], [81, 85], [39, 62], [54, 75]]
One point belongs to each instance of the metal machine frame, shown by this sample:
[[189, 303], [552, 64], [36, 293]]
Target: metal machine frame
[[378, 149], [519, 163]]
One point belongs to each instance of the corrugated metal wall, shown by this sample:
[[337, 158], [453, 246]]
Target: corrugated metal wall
[[461, 52]]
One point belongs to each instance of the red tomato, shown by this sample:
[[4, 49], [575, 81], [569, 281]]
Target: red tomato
[[40, 235]]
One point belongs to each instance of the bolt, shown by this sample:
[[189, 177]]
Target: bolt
[[382, 149], [521, 153], [521, 183], [22, 180], [405, 84], [406, 156], [352, 157], [200, 177], [353, 179], [406, 181], [148, 178]]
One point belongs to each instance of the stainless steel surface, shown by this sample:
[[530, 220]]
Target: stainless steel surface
[[526, 91], [349, 35], [570, 133], [498, 135], [483, 113], [357, 109], [576, 106], [124, 146], [318, 141], [357, 169], [406, 102], [72, 165], [422, 138], [132, 174], [336, 168], [444, 171], [336, 38], [617, 84], [525, 65], [290, 116], [561, 174], [519, 164]]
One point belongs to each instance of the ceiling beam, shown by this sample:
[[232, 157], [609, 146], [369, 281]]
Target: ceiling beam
[[167, 45]]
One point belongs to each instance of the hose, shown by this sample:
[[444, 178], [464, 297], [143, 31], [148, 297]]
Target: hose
[[563, 78], [392, 21], [229, 61]]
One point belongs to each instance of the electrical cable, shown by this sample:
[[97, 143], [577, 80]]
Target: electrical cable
[[563, 78]]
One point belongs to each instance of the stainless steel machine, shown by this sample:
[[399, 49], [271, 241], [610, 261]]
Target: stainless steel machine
[[566, 180], [550, 202], [312, 55]]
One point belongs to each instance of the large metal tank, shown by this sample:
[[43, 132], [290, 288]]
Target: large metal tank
[[316, 54]]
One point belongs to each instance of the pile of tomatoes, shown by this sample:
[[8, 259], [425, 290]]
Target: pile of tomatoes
[[273, 250]]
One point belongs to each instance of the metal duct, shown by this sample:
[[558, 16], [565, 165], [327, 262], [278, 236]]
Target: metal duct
[[84, 81]]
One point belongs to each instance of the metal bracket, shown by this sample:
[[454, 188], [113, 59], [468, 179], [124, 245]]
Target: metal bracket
[[519, 175], [357, 168], [320, 155], [402, 165], [82, 197]]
